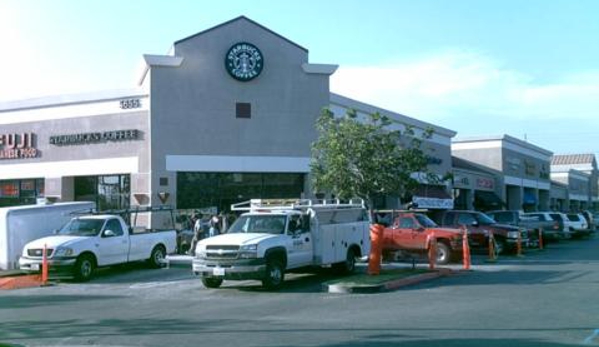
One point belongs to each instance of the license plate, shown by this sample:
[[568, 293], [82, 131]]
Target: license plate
[[35, 267], [218, 271]]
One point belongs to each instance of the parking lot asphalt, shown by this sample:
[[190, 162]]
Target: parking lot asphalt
[[544, 298]]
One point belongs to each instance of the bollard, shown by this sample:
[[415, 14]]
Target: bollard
[[44, 267], [492, 255], [376, 249], [540, 238], [465, 248], [431, 241]]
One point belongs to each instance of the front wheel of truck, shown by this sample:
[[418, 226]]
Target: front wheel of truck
[[275, 274], [211, 282], [84, 268]]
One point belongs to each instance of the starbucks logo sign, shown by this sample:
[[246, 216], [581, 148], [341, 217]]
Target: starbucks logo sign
[[244, 61]]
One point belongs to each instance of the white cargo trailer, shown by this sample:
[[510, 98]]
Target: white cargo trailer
[[22, 224]]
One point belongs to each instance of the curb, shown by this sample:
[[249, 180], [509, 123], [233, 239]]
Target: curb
[[17, 282], [177, 261], [387, 286]]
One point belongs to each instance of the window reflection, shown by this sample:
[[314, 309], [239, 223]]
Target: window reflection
[[108, 192]]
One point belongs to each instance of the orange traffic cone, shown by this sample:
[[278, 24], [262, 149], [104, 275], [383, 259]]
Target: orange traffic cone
[[492, 255], [465, 249], [44, 267], [432, 250], [376, 249], [519, 244]]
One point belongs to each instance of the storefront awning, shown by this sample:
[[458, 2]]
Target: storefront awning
[[432, 197], [487, 199], [529, 198]]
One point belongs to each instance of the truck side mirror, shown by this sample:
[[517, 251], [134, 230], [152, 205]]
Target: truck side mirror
[[108, 233]]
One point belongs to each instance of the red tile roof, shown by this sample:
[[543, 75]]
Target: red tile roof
[[571, 159]]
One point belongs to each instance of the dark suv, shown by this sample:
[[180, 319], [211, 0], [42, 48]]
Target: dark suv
[[479, 225]]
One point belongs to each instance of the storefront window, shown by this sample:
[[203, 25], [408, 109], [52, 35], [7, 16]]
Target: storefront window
[[21, 192], [9, 189], [108, 192], [197, 190]]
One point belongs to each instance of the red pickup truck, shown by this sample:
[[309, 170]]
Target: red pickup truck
[[408, 231]]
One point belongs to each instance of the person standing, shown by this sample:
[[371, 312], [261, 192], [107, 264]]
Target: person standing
[[214, 226], [197, 233]]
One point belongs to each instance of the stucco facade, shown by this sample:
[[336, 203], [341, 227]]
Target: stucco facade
[[525, 168]]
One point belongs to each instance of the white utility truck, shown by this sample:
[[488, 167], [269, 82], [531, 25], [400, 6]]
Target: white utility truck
[[96, 240], [21, 224], [273, 237]]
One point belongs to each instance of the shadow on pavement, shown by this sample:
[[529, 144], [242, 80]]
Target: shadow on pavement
[[384, 341], [309, 282], [210, 328]]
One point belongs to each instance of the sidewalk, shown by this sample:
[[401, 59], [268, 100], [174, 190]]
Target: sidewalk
[[178, 260]]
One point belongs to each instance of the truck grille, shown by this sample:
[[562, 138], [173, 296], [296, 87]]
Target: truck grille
[[222, 252], [38, 252]]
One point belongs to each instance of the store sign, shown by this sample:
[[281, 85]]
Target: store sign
[[461, 181], [485, 183], [514, 164], [244, 61], [99, 137], [17, 146], [530, 168], [434, 203]]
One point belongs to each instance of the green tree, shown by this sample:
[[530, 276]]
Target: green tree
[[363, 157]]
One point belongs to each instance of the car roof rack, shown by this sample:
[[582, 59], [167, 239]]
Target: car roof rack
[[137, 209]]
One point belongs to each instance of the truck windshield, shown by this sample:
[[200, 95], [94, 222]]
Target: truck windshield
[[269, 224], [483, 219], [82, 227], [425, 221]]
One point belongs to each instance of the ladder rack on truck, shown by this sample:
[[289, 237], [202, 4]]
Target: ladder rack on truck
[[130, 214], [295, 204]]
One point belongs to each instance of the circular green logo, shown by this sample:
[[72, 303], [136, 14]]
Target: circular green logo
[[244, 61]]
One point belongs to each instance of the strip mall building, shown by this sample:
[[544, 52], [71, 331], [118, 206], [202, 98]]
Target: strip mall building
[[227, 115]]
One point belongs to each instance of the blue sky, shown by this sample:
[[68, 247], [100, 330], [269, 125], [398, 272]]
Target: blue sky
[[529, 69]]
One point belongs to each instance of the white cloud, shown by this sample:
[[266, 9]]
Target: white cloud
[[460, 83]]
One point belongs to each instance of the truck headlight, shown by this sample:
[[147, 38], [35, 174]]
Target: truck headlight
[[63, 252], [200, 252], [248, 251], [513, 234]]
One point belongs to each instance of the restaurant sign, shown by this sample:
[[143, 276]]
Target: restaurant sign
[[17, 146]]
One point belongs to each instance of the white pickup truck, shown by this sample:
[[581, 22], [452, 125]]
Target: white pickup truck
[[91, 241], [274, 237]]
